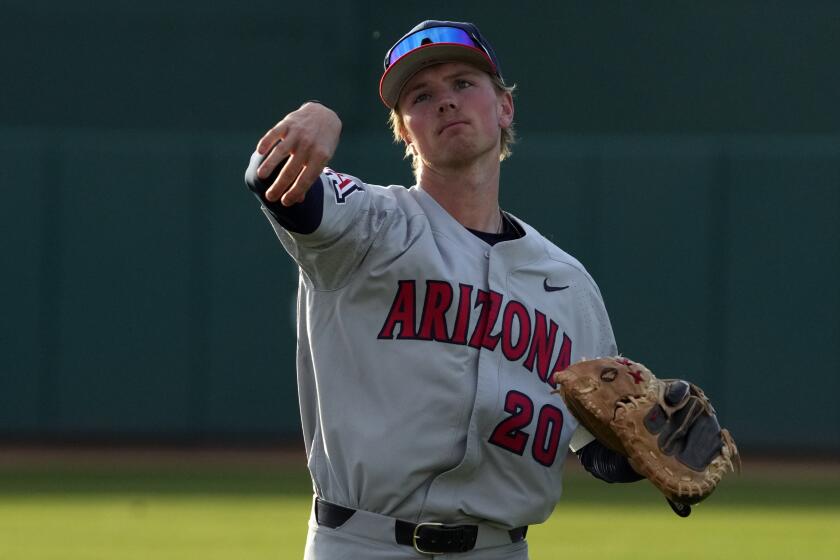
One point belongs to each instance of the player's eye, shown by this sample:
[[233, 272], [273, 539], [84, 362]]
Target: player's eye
[[421, 97], [609, 374], [463, 84]]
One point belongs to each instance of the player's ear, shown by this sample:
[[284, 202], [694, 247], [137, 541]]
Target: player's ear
[[505, 109], [397, 123], [402, 130], [409, 144], [405, 134]]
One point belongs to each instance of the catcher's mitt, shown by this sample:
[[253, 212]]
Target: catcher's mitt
[[666, 428]]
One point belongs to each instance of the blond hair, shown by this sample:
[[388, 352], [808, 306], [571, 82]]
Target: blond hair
[[506, 140]]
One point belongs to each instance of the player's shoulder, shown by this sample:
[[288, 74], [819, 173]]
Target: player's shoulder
[[342, 186], [556, 255]]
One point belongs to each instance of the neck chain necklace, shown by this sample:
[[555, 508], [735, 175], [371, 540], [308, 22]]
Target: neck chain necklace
[[501, 223]]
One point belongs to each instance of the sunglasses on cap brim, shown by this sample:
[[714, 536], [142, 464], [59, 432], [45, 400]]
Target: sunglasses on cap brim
[[433, 35]]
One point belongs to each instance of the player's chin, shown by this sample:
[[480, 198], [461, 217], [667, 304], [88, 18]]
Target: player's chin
[[461, 150], [453, 161]]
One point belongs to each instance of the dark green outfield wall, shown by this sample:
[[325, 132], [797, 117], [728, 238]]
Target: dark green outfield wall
[[689, 155], [648, 66]]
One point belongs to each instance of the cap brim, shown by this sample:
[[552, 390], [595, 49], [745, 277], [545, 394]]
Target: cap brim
[[395, 77]]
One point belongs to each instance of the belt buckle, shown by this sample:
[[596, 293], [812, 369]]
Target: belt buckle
[[414, 536]]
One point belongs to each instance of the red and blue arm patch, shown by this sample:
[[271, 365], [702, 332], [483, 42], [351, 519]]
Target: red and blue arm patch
[[343, 186]]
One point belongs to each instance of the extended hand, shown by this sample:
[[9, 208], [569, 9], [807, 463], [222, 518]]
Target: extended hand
[[305, 139]]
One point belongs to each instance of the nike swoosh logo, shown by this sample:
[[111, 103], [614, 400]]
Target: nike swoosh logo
[[549, 288]]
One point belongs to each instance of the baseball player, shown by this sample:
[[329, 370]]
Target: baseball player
[[429, 320]]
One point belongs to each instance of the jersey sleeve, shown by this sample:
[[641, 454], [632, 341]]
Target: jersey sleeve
[[580, 439], [331, 231], [602, 344]]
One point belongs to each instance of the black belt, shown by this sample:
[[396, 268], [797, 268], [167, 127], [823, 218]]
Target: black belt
[[428, 538]]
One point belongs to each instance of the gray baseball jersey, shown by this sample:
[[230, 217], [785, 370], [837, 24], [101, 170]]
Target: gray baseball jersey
[[424, 358]]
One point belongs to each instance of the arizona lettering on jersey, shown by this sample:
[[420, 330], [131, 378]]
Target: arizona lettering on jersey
[[521, 334]]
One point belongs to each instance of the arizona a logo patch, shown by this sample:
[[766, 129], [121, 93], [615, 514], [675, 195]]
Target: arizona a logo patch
[[342, 185]]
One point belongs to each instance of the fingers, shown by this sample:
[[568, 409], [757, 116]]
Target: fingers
[[275, 158], [294, 165], [272, 136], [298, 174], [297, 192], [301, 170], [316, 159]]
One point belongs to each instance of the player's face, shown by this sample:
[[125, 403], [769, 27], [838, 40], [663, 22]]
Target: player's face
[[453, 114]]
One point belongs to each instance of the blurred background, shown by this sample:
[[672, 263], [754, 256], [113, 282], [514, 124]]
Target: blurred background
[[688, 153]]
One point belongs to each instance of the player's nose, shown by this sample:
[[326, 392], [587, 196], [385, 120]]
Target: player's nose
[[445, 105]]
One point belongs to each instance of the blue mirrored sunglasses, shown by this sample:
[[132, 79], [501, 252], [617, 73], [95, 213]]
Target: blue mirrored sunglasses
[[432, 35]]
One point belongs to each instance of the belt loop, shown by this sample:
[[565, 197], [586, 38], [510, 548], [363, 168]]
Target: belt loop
[[518, 534], [331, 515]]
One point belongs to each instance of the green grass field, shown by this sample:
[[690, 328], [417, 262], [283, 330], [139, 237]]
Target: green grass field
[[260, 512]]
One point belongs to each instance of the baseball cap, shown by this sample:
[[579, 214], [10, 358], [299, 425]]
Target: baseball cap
[[432, 42]]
